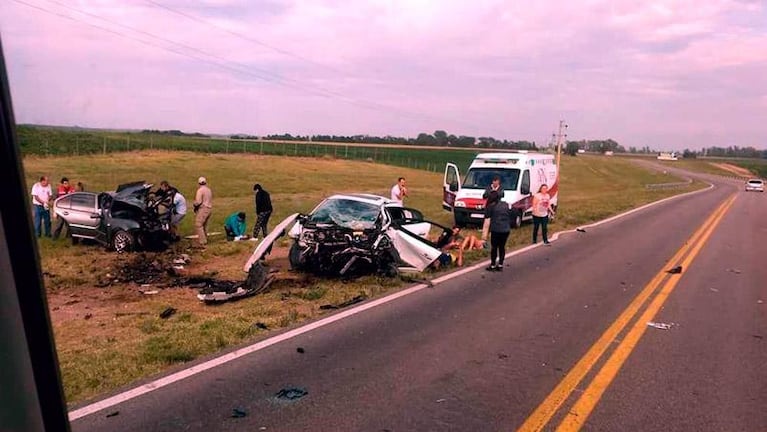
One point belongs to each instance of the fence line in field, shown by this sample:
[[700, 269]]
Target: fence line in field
[[428, 159]]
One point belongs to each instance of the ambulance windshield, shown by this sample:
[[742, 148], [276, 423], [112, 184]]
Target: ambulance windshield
[[480, 178]]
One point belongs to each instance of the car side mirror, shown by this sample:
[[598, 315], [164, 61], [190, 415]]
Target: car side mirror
[[525, 190], [454, 187]]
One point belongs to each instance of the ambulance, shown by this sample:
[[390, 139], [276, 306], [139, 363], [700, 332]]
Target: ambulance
[[522, 173]]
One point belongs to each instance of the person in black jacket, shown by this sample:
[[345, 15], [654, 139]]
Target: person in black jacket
[[263, 210], [500, 226]]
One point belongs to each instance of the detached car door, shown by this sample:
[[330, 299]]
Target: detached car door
[[409, 233]]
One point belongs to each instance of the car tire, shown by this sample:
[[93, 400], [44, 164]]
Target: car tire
[[294, 257], [122, 241], [516, 219]]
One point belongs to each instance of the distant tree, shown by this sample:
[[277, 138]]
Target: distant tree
[[425, 139], [571, 148], [689, 154], [440, 138]]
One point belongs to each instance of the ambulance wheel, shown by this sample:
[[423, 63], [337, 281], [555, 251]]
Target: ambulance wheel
[[460, 221]]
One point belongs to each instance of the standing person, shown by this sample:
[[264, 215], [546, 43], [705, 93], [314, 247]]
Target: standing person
[[541, 204], [500, 225], [495, 185], [80, 187], [399, 191], [235, 226], [64, 189], [177, 207], [203, 206], [41, 198], [263, 210]]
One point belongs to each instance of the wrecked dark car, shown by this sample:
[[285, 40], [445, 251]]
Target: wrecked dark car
[[129, 218], [355, 234]]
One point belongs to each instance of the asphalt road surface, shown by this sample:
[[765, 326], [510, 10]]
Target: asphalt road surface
[[485, 351]]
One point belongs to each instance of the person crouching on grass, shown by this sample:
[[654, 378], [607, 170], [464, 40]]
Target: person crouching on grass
[[500, 226], [235, 227]]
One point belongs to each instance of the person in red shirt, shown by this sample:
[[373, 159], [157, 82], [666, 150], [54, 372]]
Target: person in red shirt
[[64, 189]]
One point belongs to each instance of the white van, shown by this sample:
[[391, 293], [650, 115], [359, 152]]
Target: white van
[[521, 173]]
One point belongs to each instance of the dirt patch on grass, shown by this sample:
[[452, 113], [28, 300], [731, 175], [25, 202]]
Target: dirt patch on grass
[[739, 171]]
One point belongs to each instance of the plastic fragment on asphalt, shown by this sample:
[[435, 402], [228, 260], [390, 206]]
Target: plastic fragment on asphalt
[[659, 325], [238, 413], [713, 290], [675, 270], [580, 230], [733, 270], [291, 393], [300, 350], [441, 400], [113, 414], [759, 301]]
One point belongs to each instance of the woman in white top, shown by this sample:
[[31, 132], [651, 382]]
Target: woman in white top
[[541, 209]]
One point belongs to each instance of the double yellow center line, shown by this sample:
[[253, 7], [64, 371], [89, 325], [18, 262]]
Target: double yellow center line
[[578, 414]]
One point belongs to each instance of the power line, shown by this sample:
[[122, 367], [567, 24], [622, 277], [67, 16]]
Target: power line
[[241, 36], [241, 69]]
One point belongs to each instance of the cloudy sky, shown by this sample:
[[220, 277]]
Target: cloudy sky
[[668, 74]]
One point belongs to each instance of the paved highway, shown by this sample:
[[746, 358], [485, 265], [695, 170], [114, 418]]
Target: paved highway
[[558, 341]]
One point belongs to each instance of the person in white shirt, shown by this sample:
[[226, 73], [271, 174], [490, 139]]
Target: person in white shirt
[[541, 211], [399, 191], [177, 207], [41, 200]]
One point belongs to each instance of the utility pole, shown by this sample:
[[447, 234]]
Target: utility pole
[[560, 138]]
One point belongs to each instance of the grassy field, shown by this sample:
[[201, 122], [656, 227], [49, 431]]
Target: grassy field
[[45, 141], [110, 337]]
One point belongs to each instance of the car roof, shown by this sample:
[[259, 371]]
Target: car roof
[[364, 197]]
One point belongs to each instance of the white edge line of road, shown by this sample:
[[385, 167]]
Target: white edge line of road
[[226, 358]]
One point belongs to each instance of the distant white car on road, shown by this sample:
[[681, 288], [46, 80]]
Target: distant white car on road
[[756, 185]]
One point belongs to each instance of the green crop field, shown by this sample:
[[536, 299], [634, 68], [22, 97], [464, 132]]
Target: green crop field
[[111, 336]]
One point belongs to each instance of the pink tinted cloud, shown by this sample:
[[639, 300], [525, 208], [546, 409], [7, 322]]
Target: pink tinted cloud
[[629, 70]]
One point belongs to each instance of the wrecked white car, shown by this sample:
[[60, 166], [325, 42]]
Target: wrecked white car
[[355, 234]]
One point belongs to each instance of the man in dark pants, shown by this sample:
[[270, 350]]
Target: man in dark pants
[[263, 210], [64, 189]]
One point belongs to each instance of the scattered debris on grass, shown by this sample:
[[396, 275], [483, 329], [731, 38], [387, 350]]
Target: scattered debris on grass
[[660, 325], [88, 316], [260, 325], [167, 313], [357, 299], [258, 280]]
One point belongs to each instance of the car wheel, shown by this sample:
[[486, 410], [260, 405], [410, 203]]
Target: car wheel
[[122, 241], [294, 257], [516, 219]]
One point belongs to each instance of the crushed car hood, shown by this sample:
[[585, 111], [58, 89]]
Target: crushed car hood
[[134, 194]]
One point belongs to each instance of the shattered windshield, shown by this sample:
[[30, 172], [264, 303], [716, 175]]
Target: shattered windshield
[[347, 213], [480, 178]]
